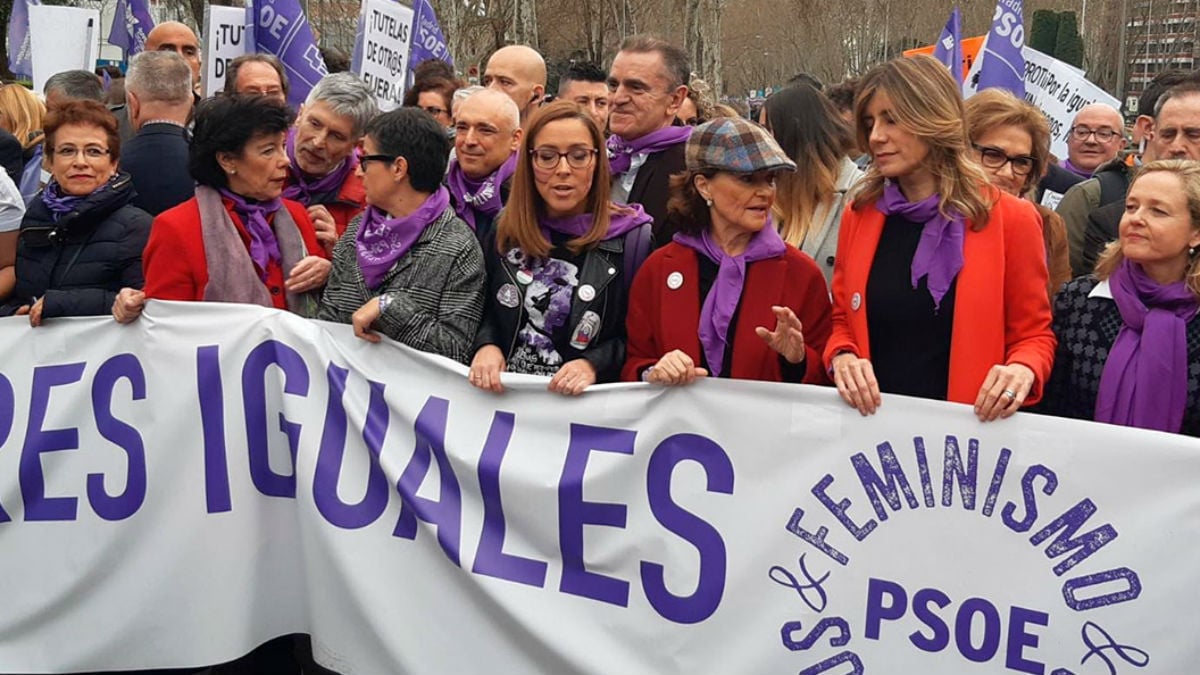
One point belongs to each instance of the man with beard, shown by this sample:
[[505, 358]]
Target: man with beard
[[487, 134], [321, 149]]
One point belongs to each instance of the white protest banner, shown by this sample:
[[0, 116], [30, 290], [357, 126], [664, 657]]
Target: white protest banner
[[224, 40], [176, 491], [62, 38], [1059, 89], [381, 50]]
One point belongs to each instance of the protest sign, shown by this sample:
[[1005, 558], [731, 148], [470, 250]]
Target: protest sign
[[280, 27], [224, 40], [428, 41], [62, 38], [18, 38], [382, 50], [237, 473]]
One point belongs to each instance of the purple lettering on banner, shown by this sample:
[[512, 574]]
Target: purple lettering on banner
[[804, 644], [710, 585], [923, 468], [991, 630], [490, 558], [940, 632], [333, 449], [574, 513], [1084, 545], [839, 509], [7, 411], [968, 477], [877, 612], [837, 660], [873, 485], [1031, 512], [989, 504], [124, 436], [212, 424], [1019, 638], [817, 539], [254, 401], [38, 440], [1133, 588], [446, 512]]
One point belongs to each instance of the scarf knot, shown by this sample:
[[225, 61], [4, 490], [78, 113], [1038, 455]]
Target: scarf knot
[[255, 217], [621, 151], [483, 196], [381, 241]]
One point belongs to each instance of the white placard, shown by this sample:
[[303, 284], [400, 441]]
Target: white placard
[[62, 38], [382, 50], [225, 39]]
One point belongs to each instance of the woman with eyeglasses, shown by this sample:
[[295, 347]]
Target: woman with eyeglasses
[[237, 239], [408, 267], [1012, 140], [939, 287], [727, 297], [81, 240], [561, 262], [434, 95]]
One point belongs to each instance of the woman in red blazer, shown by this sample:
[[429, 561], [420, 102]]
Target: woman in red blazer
[[939, 284], [727, 296]]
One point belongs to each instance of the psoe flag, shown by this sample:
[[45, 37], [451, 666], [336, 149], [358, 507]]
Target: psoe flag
[[279, 27], [131, 24], [948, 49], [429, 42], [19, 60], [1002, 64]]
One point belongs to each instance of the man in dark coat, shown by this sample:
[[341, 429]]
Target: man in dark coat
[[158, 89]]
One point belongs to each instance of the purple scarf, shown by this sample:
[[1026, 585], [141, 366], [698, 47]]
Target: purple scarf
[[939, 254], [381, 241], [622, 220], [722, 301], [302, 189], [1144, 383], [59, 204], [478, 195], [264, 248], [1066, 164], [621, 152]]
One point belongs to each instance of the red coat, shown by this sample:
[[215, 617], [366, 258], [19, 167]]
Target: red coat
[[174, 263], [661, 319], [1001, 309], [350, 201]]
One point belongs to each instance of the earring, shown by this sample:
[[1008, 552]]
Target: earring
[[232, 172], [1192, 252]]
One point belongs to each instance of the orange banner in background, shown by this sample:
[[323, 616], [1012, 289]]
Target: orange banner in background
[[970, 48]]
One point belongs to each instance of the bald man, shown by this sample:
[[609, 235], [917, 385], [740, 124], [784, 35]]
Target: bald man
[[173, 36], [487, 133], [519, 72], [1097, 135]]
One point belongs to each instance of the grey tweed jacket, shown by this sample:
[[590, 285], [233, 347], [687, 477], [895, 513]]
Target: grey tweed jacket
[[436, 288]]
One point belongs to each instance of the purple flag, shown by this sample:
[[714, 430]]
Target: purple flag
[[948, 49], [428, 41], [1003, 65], [19, 60], [279, 27], [131, 24]]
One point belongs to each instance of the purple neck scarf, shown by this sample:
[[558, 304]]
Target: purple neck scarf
[[621, 152], [1144, 383], [939, 254], [722, 301], [1066, 164], [478, 195], [622, 220], [381, 241], [301, 189], [59, 204], [264, 248]]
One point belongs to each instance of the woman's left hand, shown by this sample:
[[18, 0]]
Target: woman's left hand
[[35, 312], [1003, 391], [788, 336], [364, 318], [573, 378], [309, 273]]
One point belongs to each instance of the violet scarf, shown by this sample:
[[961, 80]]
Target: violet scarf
[[1066, 164], [264, 248], [478, 195], [717, 311], [381, 241], [622, 220], [1144, 383], [621, 152], [59, 204], [302, 189], [939, 255]]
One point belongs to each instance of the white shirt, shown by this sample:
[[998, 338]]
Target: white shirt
[[12, 206], [623, 184]]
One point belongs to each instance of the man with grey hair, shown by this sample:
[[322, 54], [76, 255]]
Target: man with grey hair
[[487, 133], [321, 149], [72, 85], [158, 95]]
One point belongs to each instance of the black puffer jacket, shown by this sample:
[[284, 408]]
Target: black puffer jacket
[[79, 263]]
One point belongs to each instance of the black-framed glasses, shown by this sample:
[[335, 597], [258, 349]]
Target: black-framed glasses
[[386, 159], [547, 158], [1081, 133], [994, 158]]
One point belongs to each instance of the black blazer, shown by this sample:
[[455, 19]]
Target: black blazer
[[651, 188], [157, 160]]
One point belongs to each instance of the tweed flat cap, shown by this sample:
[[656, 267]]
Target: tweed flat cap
[[736, 145]]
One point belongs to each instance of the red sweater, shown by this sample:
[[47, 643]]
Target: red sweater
[[661, 319], [174, 264], [350, 201]]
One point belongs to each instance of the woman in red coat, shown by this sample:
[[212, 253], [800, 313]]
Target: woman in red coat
[[727, 297]]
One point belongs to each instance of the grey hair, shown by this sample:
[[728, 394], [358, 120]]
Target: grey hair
[[160, 76], [502, 105], [348, 96], [75, 85], [464, 93]]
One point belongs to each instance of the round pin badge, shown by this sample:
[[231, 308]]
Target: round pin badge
[[674, 280], [855, 301], [587, 293], [524, 276]]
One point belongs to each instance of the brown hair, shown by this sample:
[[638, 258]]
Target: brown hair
[[23, 114], [518, 222], [927, 103], [441, 85], [83, 112], [994, 108], [687, 211], [1188, 172]]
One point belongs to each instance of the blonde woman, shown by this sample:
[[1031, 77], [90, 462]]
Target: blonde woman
[[21, 114], [939, 286]]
